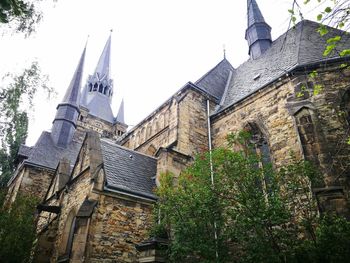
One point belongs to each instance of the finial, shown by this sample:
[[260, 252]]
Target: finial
[[87, 39], [224, 50]]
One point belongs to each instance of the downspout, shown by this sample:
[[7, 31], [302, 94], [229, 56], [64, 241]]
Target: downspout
[[212, 175]]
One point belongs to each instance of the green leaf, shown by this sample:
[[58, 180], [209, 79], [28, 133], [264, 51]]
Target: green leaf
[[319, 17], [329, 49], [317, 89], [333, 39], [291, 11], [322, 30], [328, 9], [313, 74], [345, 52]]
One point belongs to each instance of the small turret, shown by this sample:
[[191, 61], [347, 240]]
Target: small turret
[[64, 124], [258, 33]]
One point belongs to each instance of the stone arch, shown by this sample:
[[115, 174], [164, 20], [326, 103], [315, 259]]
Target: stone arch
[[261, 147], [260, 141], [66, 243], [345, 106]]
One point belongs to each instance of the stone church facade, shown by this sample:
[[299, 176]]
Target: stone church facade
[[95, 179]]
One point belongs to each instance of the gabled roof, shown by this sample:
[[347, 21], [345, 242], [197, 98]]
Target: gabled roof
[[46, 154], [214, 81], [299, 46], [128, 171]]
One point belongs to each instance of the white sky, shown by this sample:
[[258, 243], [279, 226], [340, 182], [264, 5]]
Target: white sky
[[157, 46]]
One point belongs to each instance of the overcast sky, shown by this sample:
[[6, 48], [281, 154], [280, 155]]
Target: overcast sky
[[157, 46]]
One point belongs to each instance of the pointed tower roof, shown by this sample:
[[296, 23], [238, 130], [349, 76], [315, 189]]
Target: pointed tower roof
[[258, 33], [73, 91], [104, 63], [64, 124], [98, 92], [120, 115], [254, 14]]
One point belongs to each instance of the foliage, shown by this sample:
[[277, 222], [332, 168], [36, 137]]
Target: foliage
[[259, 214], [16, 99], [17, 229], [335, 13], [22, 15]]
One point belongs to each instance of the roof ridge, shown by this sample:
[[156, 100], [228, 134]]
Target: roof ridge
[[206, 74], [302, 22], [110, 142]]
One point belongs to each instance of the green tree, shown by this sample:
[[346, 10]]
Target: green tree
[[17, 229], [252, 213], [20, 15], [16, 98]]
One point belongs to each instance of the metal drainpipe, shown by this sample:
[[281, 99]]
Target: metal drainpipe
[[212, 175]]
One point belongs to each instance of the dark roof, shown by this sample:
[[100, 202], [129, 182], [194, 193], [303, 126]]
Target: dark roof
[[128, 171], [254, 13], [214, 81], [46, 154], [24, 150], [301, 45]]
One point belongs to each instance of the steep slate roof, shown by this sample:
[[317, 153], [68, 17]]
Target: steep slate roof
[[214, 81], [24, 150], [46, 154], [299, 46], [128, 171]]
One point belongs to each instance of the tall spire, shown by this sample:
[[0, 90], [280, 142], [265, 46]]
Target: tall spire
[[67, 112], [104, 63], [97, 95], [258, 33], [120, 115]]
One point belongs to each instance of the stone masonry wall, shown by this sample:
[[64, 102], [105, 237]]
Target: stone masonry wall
[[77, 192], [268, 109], [117, 225], [158, 130], [193, 125], [30, 181]]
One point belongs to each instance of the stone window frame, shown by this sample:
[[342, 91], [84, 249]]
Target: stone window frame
[[66, 243], [262, 148]]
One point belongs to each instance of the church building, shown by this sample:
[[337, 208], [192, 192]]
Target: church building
[[96, 179]]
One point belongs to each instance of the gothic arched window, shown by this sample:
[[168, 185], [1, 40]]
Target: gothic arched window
[[261, 148], [90, 87], [95, 87], [345, 106], [100, 88]]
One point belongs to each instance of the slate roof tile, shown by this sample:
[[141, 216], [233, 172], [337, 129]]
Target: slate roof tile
[[127, 170]]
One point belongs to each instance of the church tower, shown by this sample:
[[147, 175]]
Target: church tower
[[64, 124], [258, 33], [95, 104]]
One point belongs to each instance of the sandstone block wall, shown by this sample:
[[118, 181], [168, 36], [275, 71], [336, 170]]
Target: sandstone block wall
[[117, 225]]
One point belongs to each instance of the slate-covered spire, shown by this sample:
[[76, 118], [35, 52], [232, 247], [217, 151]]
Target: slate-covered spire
[[258, 33], [97, 94], [104, 63], [120, 115], [67, 112]]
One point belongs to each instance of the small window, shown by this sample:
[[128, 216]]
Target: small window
[[90, 87], [95, 87], [100, 89]]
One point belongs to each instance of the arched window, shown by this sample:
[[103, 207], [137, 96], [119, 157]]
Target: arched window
[[100, 88], [345, 106], [261, 148], [65, 247], [90, 87], [95, 87]]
